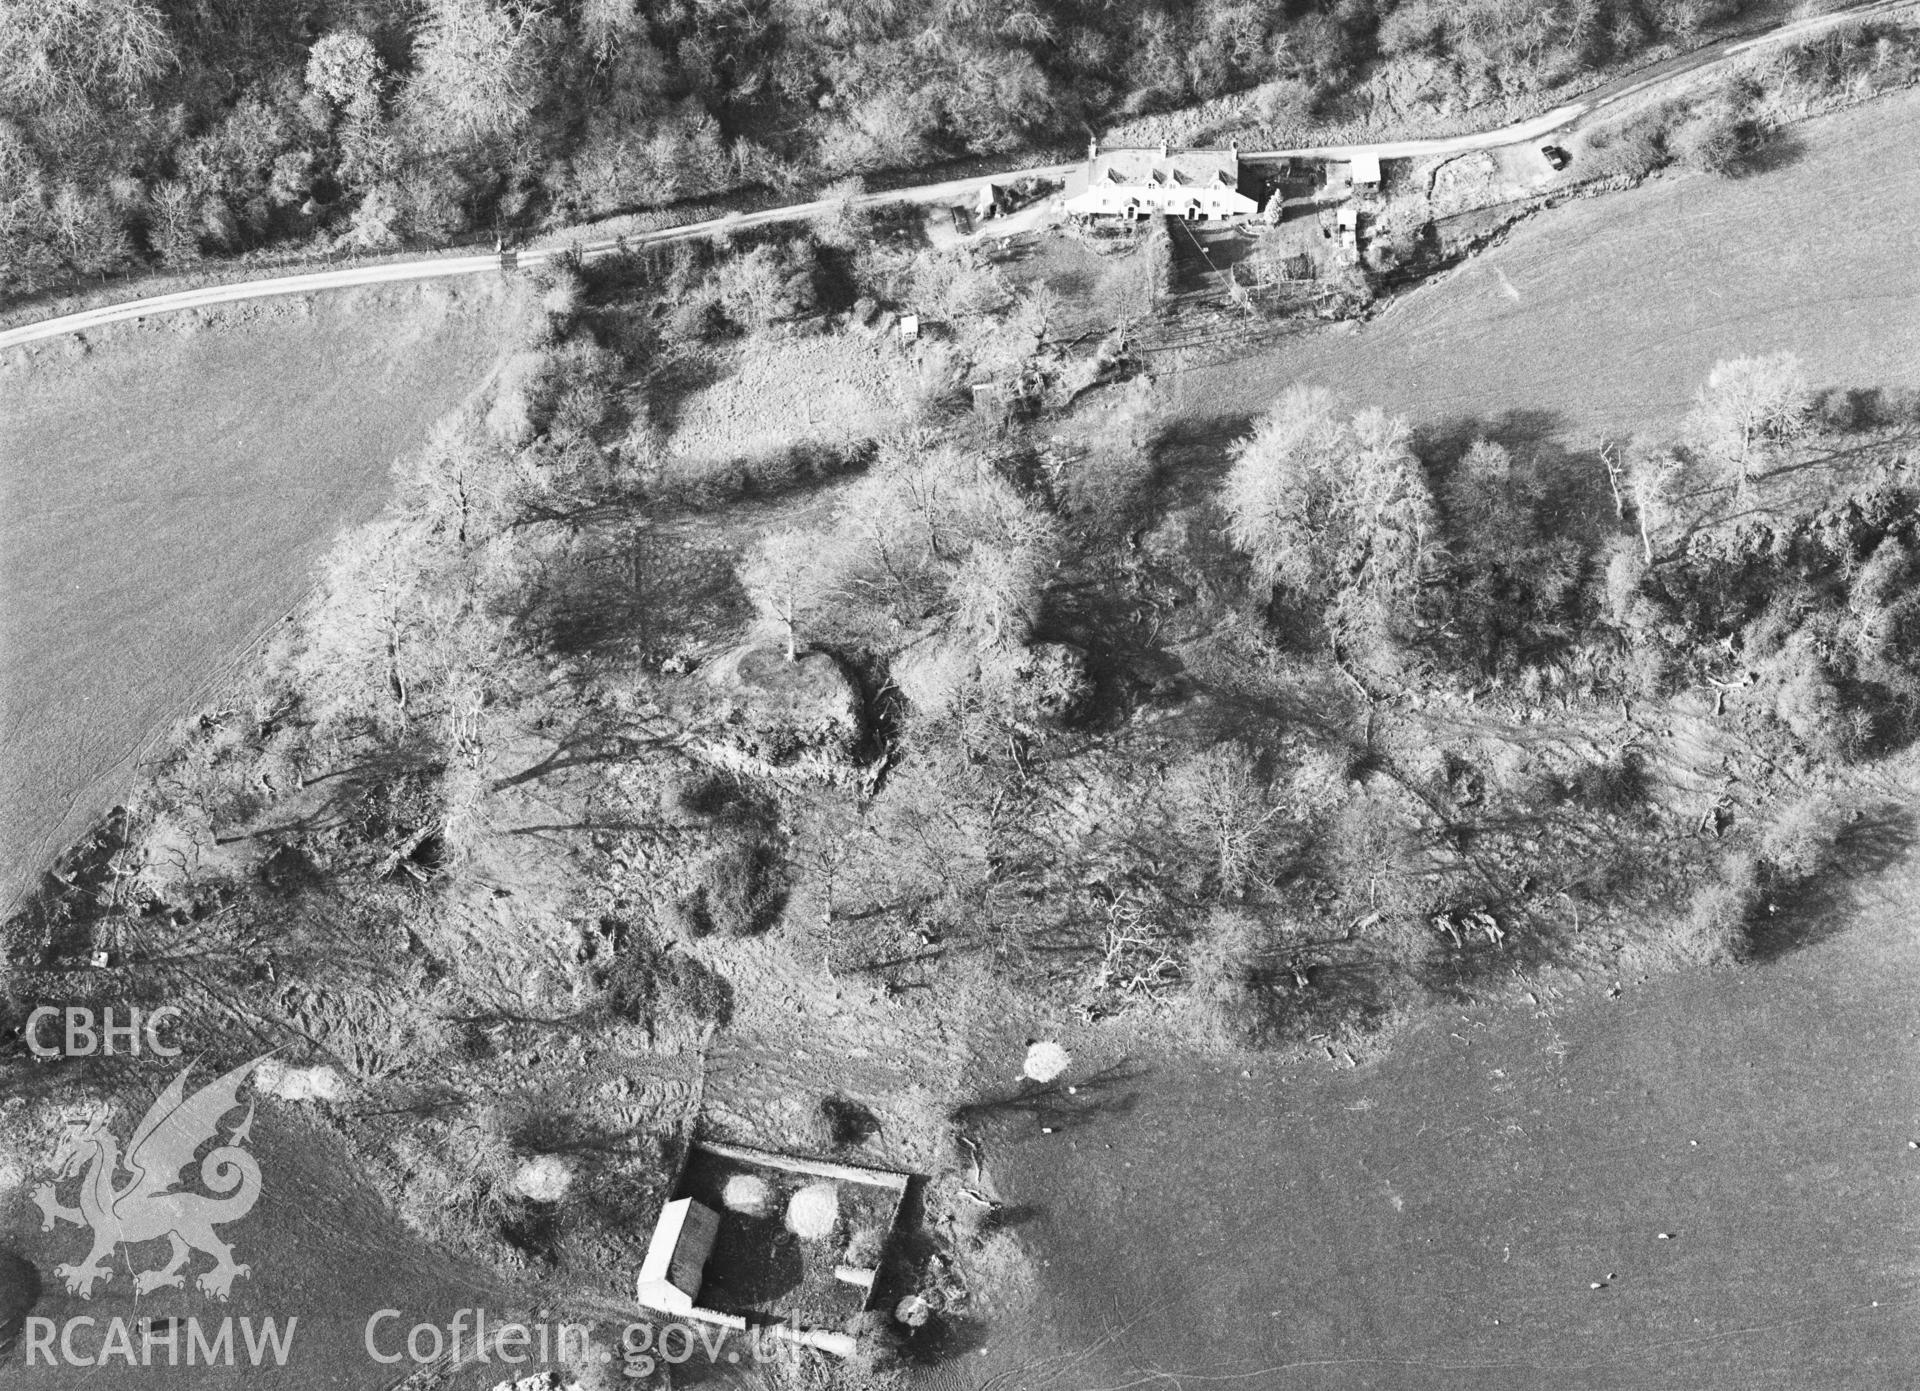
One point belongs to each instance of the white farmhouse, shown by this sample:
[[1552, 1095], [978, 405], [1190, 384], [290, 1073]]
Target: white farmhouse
[[1197, 185]]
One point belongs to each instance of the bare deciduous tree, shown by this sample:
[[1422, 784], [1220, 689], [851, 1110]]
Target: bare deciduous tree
[[1653, 484], [1749, 405], [477, 70], [85, 231], [1281, 493], [358, 655], [996, 589], [56, 50], [1225, 805], [608, 26], [1336, 511], [752, 287], [935, 530], [789, 576], [344, 71], [463, 486]]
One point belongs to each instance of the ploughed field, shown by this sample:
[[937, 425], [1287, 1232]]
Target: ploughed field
[[164, 498], [1601, 317]]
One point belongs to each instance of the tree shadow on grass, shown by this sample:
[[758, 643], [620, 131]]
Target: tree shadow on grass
[[592, 739], [943, 1338], [20, 1291], [1570, 474], [646, 593], [1858, 462], [1782, 148], [1517, 430], [680, 377], [1877, 839], [1306, 995], [1194, 455], [1060, 1105]]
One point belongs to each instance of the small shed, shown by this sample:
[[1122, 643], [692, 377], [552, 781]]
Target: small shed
[[1346, 223], [677, 1256], [909, 328], [1366, 171], [990, 201]]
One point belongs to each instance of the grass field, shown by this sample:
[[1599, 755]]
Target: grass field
[[777, 394], [166, 496], [1603, 316], [1442, 1218]]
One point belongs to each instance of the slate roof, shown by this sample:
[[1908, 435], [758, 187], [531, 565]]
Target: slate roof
[[1159, 167]]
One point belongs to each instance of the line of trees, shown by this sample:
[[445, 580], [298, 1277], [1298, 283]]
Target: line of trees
[[1768, 549]]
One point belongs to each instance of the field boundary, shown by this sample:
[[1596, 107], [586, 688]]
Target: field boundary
[[818, 1168]]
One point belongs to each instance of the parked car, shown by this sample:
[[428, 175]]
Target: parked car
[[1556, 156]]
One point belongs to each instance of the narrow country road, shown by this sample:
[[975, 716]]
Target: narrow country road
[[1601, 100], [1605, 99]]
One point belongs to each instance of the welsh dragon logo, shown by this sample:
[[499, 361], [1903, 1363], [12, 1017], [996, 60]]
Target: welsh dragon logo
[[150, 1202]]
